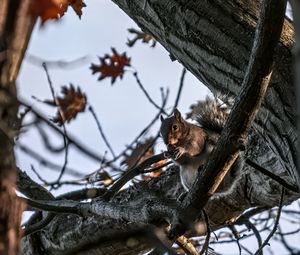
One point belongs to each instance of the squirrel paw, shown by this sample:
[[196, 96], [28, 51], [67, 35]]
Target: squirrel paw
[[176, 153]]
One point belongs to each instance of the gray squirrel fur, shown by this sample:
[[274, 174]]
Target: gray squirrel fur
[[190, 145]]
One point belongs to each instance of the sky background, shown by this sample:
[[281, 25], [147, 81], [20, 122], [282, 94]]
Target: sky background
[[122, 109]]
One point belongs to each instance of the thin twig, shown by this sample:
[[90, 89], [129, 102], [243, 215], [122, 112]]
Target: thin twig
[[45, 162], [38, 175], [208, 231], [70, 139], [66, 144], [266, 242], [250, 225], [237, 237], [181, 83], [135, 140], [135, 74], [101, 131], [46, 140]]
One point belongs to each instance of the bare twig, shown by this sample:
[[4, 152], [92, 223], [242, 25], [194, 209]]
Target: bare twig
[[101, 131], [251, 226], [237, 237], [38, 175], [135, 140], [208, 232], [72, 140], [275, 225], [135, 74], [181, 83], [45, 162], [66, 144], [46, 141]]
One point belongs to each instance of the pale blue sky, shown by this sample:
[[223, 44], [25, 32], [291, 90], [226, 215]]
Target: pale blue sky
[[122, 108]]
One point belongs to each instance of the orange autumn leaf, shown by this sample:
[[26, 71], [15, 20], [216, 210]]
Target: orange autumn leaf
[[54, 9], [160, 170], [155, 173], [77, 6], [72, 102], [48, 9], [111, 66]]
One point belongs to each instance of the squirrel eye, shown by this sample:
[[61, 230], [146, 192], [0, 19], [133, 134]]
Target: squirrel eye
[[175, 127]]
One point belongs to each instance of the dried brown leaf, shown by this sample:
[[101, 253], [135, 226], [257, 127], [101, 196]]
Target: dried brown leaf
[[72, 102], [111, 66]]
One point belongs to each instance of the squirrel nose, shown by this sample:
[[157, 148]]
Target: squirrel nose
[[170, 147]]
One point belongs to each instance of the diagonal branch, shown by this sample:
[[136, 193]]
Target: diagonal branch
[[132, 173], [235, 133], [149, 210]]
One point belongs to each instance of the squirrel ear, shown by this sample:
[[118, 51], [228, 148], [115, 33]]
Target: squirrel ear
[[162, 118], [177, 114]]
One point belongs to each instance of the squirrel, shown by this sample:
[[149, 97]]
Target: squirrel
[[190, 145]]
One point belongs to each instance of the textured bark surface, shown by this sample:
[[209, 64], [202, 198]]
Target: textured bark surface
[[14, 24], [213, 39]]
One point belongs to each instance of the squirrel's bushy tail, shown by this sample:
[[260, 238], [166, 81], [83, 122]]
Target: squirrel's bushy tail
[[211, 114]]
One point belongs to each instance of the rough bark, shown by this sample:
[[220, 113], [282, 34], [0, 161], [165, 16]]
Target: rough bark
[[14, 25], [296, 9], [213, 39]]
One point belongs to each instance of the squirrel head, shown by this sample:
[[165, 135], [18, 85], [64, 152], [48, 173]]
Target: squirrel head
[[173, 129]]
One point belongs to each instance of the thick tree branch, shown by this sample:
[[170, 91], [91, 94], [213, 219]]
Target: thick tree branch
[[234, 135], [296, 10], [149, 210]]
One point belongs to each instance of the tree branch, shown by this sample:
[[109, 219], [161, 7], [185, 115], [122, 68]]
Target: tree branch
[[234, 135], [149, 210], [296, 10], [131, 173]]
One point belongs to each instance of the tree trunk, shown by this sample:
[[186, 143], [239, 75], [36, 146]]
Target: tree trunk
[[14, 28], [213, 39]]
